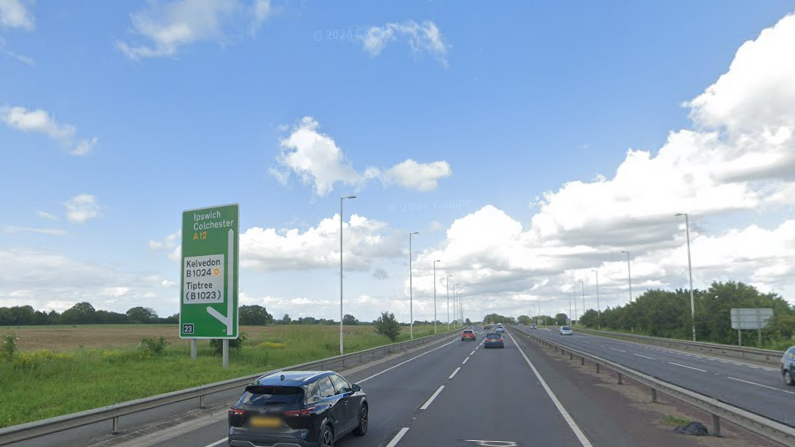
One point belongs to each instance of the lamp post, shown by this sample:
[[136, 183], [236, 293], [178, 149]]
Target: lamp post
[[455, 304], [447, 285], [570, 314], [629, 274], [598, 308], [342, 349], [583, 295], [411, 292], [690, 271], [434, 295]]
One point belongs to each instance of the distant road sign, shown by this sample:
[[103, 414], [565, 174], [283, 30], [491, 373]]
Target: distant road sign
[[750, 318], [208, 296]]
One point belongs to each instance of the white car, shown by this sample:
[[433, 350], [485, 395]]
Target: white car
[[566, 330]]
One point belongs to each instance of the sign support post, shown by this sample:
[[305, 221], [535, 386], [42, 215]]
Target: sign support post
[[209, 292]]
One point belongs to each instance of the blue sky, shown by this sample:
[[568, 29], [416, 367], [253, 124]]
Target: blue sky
[[132, 112]]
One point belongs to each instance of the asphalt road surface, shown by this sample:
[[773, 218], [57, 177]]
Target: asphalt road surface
[[455, 394], [756, 388]]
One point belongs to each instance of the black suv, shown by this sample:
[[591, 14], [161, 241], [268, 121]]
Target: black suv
[[298, 409]]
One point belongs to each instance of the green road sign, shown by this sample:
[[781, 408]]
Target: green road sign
[[208, 297]]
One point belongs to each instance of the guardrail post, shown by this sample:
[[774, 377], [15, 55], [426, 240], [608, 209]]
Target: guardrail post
[[571, 356], [582, 361], [201, 401], [597, 369], [654, 395], [620, 377], [115, 425], [715, 425]]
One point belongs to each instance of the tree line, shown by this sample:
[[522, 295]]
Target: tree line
[[663, 313], [86, 313]]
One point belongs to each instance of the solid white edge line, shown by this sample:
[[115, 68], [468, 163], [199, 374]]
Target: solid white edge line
[[406, 361], [430, 399], [454, 373], [465, 360], [398, 437], [217, 443], [569, 420], [759, 385], [688, 367], [644, 356]]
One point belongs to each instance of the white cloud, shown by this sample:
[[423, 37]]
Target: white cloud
[[166, 27], [13, 14], [736, 165], [48, 231], [170, 243], [82, 208], [316, 159], [268, 249], [262, 10], [39, 121], [421, 177], [56, 282], [171, 25], [46, 215], [422, 38]]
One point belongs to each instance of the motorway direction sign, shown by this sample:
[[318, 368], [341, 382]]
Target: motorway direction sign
[[208, 296], [750, 318]]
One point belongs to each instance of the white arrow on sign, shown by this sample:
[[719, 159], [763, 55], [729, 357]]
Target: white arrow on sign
[[230, 287]]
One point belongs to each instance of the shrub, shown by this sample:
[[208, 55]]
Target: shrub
[[387, 325], [153, 346], [234, 344], [9, 348]]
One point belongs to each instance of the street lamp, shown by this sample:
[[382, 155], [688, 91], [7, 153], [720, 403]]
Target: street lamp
[[447, 285], [411, 292], [434, 295], [455, 304], [690, 271], [583, 295], [570, 309], [629, 274], [598, 308], [342, 350]]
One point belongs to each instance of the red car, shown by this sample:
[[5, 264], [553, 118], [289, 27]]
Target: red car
[[468, 335]]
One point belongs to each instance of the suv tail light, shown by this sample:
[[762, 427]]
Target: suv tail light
[[301, 412], [501, 340], [236, 412]]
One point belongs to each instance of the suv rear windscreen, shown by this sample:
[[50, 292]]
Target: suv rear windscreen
[[260, 396], [493, 337], [468, 332]]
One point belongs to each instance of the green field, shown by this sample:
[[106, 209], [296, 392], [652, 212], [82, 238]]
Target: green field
[[65, 369]]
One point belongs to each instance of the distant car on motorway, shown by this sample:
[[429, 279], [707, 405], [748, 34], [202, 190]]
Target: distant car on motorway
[[298, 408], [487, 328], [788, 366], [566, 330], [467, 335], [533, 326], [499, 330], [493, 340]]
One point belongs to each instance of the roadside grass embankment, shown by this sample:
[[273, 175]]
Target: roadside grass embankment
[[64, 369]]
